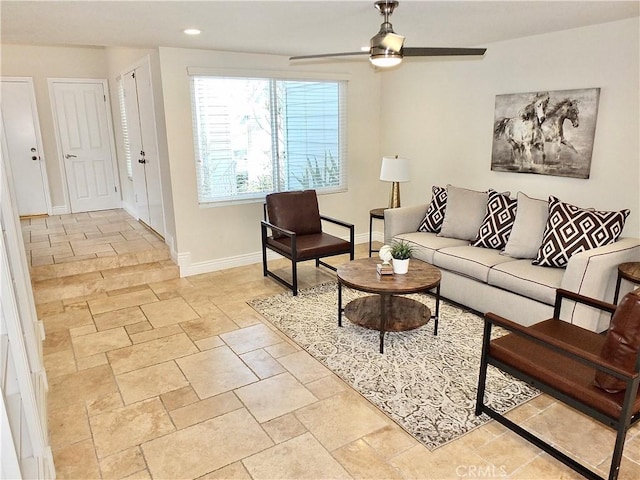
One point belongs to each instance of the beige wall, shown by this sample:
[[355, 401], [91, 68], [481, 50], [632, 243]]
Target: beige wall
[[41, 63], [440, 115], [211, 238]]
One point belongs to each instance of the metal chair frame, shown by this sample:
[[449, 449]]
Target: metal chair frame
[[621, 424]]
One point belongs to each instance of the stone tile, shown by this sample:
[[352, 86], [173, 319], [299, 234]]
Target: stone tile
[[119, 318], [304, 367], [301, 458], [509, 452], [88, 249], [205, 447], [129, 426], [327, 386], [110, 304], [275, 396], [389, 441], [122, 464], [92, 361], [179, 398], [138, 327], [150, 353], [168, 312], [59, 363], [208, 326], [100, 342], [150, 382], [104, 404], [129, 246], [363, 462], [209, 343], [284, 428], [66, 320], [76, 461], [155, 333], [68, 425], [143, 475], [81, 386], [544, 467], [445, 462], [84, 330], [250, 338], [281, 349], [204, 410], [115, 227], [341, 419], [235, 471], [215, 371], [262, 364], [37, 261]]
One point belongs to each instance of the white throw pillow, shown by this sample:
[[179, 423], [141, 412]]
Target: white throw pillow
[[464, 214], [526, 235]]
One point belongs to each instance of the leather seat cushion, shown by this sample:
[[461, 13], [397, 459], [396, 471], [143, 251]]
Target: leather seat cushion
[[622, 341], [310, 246], [559, 371], [295, 211]]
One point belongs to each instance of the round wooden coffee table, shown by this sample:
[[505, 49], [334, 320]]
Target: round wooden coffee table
[[386, 311], [630, 271]]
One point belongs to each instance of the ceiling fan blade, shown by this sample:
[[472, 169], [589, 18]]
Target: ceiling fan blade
[[440, 51], [392, 41], [323, 55]]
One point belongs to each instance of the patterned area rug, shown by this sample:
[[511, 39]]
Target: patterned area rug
[[426, 384]]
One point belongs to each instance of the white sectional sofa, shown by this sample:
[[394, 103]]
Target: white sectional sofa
[[488, 279]]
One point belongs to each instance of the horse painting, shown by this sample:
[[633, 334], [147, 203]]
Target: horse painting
[[553, 126], [545, 133], [524, 132]]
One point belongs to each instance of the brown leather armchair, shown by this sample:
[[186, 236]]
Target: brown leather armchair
[[296, 233], [596, 374]]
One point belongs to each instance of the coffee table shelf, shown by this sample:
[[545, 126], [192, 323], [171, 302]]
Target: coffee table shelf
[[386, 310]]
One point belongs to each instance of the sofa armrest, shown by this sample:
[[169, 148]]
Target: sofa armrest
[[402, 220], [593, 273]]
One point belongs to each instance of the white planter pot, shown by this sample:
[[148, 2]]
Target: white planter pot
[[400, 266]]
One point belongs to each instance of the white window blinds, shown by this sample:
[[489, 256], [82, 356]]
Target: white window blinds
[[254, 136]]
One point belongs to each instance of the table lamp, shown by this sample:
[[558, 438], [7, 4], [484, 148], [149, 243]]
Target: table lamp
[[396, 170]]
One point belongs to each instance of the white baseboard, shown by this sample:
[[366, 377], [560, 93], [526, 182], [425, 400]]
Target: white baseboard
[[187, 267]]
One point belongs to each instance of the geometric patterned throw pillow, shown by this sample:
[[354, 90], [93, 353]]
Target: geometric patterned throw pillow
[[572, 230], [432, 221], [498, 221]]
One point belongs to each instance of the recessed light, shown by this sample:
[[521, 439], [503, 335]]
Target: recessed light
[[192, 31]]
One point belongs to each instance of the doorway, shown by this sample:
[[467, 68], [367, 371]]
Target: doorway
[[85, 143], [143, 145], [22, 143]]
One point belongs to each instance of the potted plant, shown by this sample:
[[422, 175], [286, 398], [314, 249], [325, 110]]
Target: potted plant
[[401, 252]]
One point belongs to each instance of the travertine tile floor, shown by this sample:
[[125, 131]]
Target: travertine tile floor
[[181, 379]]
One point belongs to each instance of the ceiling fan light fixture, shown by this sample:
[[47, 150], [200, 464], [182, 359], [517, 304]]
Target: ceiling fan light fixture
[[385, 60]]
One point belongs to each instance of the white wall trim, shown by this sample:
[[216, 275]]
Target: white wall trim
[[60, 210], [188, 268]]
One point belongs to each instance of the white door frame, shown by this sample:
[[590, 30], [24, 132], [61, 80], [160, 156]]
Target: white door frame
[[112, 143], [36, 124]]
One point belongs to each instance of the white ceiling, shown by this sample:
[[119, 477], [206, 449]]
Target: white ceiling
[[292, 27]]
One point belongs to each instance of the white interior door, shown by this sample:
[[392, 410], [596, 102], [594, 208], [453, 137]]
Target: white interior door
[[84, 138], [21, 134], [144, 146]]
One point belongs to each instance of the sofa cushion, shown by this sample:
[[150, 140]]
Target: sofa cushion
[[622, 342], [570, 230], [432, 221], [519, 276], [426, 243], [498, 221], [528, 228], [464, 213], [471, 261]]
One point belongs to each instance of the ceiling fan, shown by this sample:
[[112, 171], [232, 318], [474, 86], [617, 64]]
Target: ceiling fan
[[387, 47]]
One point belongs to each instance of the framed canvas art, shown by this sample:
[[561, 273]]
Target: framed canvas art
[[548, 133]]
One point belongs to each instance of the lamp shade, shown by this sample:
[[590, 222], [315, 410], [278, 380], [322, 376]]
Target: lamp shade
[[394, 169]]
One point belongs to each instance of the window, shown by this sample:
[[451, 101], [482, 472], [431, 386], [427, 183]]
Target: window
[[126, 144], [259, 135]]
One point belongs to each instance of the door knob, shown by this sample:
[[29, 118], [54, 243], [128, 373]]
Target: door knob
[[142, 160], [34, 158], [68, 156]]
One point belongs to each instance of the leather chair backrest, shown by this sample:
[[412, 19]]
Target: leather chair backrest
[[623, 341], [296, 211]]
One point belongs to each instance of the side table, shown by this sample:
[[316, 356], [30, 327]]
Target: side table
[[629, 271], [377, 213]]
